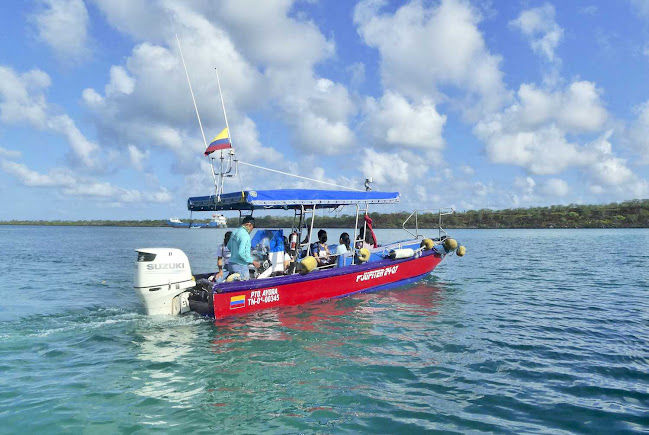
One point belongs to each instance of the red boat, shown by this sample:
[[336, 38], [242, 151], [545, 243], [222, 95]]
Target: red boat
[[166, 285]]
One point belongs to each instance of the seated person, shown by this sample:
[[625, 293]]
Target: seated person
[[344, 244], [320, 250], [223, 258], [364, 240], [289, 264], [343, 247], [287, 255]]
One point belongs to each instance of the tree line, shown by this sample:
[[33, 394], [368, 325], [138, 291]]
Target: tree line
[[628, 214]]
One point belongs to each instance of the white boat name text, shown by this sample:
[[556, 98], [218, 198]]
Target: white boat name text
[[390, 270]]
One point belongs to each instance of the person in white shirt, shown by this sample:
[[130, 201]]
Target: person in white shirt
[[344, 244], [343, 247]]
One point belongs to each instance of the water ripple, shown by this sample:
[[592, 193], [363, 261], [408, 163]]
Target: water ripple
[[540, 339]]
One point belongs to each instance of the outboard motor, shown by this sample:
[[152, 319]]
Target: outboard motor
[[162, 277]]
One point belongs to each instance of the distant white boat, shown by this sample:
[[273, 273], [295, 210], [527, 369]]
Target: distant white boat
[[218, 221]]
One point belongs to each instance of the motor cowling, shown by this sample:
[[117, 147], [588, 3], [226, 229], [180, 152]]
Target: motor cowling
[[161, 274]]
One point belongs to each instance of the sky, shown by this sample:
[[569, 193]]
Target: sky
[[454, 103]]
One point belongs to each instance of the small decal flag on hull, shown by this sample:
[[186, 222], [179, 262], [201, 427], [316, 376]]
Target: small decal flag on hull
[[238, 301]]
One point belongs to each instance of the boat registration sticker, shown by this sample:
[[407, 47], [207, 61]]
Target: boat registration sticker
[[390, 270], [237, 302], [263, 296]]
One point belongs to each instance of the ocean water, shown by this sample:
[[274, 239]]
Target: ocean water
[[533, 331]]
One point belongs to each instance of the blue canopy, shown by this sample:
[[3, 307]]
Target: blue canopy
[[289, 199]]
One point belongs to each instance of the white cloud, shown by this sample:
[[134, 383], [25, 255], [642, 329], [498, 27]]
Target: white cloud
[[525, 185], [259, 28], [162, 196], [137, 157], [604, 167], [609, 175], [539, 25], [12, 154], [243, 40], [641, 7], [611, 171], [635, 189], [357, 71], [249, 146], [639, 132], [318, 116], [139, 18], [70, 184], [120, 82], [555, 187], [393, 120], [55, 178], [317, 135], [581, 108], [384, 168], [22, 100], [84, 149], [92, 98], [532, 132], [63, 25], [543, 151], [22, 97], [424, 49], [482, 189], [467, 170], [578, 109]]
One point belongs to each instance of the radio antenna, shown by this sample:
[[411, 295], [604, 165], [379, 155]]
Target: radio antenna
[[191, 91], [231, 156]]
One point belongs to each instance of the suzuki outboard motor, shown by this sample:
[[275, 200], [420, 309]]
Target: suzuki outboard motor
[[162, 277]]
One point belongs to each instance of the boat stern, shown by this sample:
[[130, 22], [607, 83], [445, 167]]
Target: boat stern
[[162, 278]]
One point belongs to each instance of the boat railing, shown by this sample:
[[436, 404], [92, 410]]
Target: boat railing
[[439, 211]]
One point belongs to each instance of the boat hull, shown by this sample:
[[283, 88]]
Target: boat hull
[[254, 295]]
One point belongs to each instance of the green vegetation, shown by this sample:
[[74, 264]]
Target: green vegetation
[[628, 214]]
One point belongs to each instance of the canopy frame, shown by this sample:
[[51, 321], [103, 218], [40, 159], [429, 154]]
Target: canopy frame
[[289, 199]]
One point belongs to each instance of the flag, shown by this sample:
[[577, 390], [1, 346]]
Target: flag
[[220, 142], [238, 301]]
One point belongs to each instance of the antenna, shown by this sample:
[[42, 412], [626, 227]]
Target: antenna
[[225, 115], [231, 157], [200, 124]]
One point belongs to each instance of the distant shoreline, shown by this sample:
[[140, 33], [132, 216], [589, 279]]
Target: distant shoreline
[[118, 224], [628, 214], [103, 223]]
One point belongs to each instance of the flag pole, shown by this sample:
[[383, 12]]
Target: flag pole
[[225, 115], [191, 91]]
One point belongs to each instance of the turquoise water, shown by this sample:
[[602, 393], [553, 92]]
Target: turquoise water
[[534, 331]]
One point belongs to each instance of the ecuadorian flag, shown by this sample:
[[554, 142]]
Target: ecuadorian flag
[[220, 142], [238, 301]]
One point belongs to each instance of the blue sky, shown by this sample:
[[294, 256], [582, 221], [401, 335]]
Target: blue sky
[[469, 104]]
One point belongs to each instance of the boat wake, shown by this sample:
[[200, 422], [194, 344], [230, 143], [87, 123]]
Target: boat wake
[[89, 319]]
